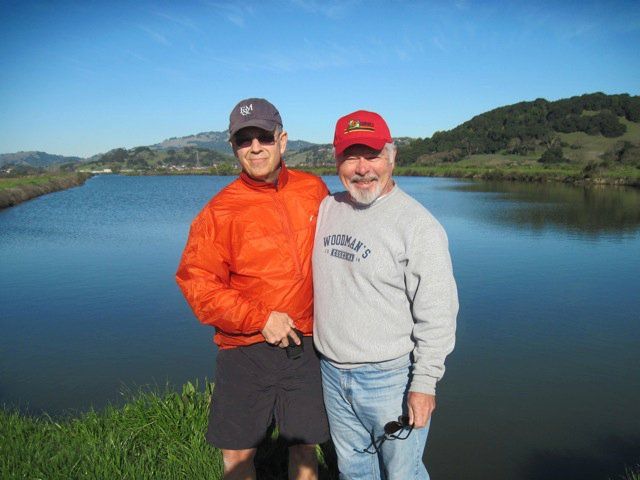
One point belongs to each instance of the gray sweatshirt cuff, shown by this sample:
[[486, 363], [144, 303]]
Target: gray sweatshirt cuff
[[423, 384]]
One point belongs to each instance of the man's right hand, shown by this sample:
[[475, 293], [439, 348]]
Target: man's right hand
[[278, 329]]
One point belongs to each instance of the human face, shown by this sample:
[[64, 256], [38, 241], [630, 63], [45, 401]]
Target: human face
[[261, 161], [365, 173]]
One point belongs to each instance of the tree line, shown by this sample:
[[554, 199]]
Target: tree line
[[525, 127], [144, 158]]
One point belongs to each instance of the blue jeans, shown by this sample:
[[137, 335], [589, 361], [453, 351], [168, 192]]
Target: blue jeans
[[359, 402]]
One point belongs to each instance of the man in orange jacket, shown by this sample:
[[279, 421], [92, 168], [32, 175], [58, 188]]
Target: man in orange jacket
[[246, 270]]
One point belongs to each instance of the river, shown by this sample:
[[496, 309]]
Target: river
[[545, 378]]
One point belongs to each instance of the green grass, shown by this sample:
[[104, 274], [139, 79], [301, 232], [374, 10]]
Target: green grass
[[499, 160], [156, 435], [535, 172], [492, 169], [630, 474], [586, 148], [6, 183]]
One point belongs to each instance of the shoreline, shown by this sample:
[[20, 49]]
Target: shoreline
[[567, 176], [577, 177], [154, 434], [524, 177], [28, 188]]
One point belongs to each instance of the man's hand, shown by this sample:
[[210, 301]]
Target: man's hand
[[421, 406], [278, 329]]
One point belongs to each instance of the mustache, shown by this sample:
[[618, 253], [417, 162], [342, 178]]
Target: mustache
[[363, 178]]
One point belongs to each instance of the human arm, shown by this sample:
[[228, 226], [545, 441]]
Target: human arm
[[204, 278], [434, 303]]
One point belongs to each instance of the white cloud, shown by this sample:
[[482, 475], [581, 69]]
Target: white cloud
[[333, 9], [234, 13], [409, 48], [137, 56], [155, 36], [438, 44], [182, 21], [312, 56]]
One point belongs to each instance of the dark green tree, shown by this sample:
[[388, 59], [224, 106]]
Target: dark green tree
[[552, 155]]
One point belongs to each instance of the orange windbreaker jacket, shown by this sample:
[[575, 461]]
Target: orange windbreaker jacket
[[249, 253]]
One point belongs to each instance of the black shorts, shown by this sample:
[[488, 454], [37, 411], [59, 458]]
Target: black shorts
[[258, 384]]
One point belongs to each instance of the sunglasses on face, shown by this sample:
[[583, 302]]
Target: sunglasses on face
[[244, 140]]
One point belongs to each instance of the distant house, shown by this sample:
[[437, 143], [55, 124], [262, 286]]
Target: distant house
[[96, 172]]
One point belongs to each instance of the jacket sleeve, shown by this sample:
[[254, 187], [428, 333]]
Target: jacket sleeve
[[323, 191], [203, 276], [432, 290]]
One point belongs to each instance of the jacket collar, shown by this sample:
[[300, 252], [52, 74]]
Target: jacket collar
[[281, 181]]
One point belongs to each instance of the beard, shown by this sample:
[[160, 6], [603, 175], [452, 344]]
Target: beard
[[364, 197]]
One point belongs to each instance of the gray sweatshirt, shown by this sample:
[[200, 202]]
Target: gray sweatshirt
[[383, 286]]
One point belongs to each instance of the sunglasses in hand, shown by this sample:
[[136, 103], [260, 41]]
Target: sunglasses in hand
[[395, 430]]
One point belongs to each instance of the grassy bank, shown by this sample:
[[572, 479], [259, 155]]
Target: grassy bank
[[155, 435], [632, 473], [567, 173], [20, 189], [537, 173]]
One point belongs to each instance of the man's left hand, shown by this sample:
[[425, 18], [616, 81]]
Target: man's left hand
[[421, 406]]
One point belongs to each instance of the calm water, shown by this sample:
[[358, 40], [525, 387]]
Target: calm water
[[545, 379]]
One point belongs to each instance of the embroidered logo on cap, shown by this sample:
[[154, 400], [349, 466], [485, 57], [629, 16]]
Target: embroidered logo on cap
[[246, 109], [358, 126]]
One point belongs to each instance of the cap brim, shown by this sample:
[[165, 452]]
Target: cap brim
[[267, 125], [375, 143]]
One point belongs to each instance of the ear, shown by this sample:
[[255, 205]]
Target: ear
[[392, 157], [282, 142]]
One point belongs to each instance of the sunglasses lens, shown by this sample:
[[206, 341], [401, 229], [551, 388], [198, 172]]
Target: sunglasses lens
[[243, 142], [392, 427], [267, 139], [264, 139]]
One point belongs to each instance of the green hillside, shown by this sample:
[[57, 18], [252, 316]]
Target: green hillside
[[35, 159], [588, 128], [592, 138], [141, 160]]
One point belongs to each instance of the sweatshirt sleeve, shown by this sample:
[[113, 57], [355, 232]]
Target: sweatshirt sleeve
[[203, 276], [432, 290]]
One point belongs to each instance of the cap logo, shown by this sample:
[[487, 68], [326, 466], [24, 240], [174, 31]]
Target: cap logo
[[246, 109], [358, 126]]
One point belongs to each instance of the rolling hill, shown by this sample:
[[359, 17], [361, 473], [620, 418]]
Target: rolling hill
[[590, 131], [36, 159], [590, 127]]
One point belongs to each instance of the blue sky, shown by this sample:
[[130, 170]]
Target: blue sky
[[80, 78]]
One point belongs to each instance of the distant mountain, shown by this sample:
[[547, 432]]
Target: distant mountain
[[218, 141], [321, 155], [523, 130], [36, 159]]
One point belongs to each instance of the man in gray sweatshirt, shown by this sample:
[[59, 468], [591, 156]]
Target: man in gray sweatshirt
[[385, 308]]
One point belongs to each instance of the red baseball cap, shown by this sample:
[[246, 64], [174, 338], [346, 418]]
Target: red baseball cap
[[361, 128]]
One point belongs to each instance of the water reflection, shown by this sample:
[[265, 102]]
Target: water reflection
[[590, 211], [609, 454], [546, 363]]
